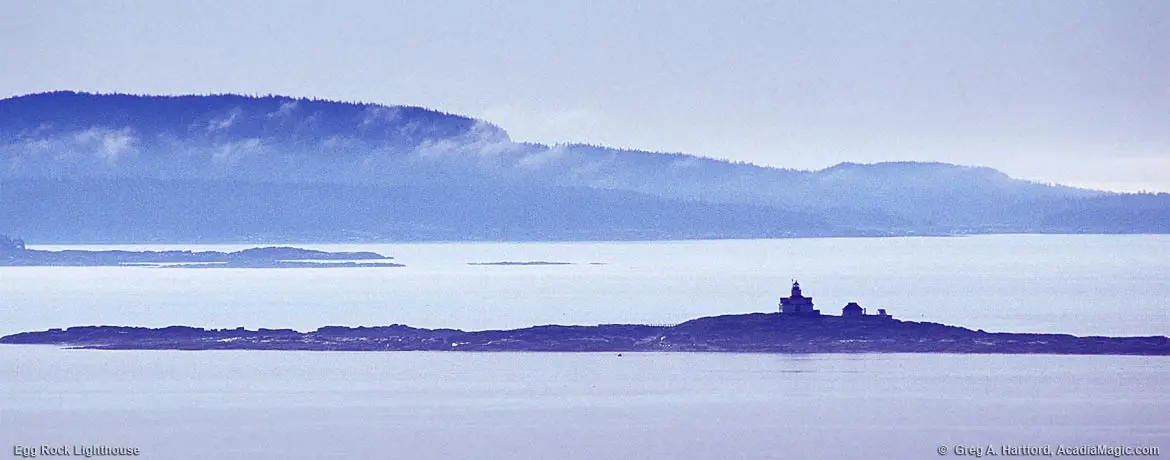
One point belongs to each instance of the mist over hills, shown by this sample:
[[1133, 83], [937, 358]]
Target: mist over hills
[[78, 167]]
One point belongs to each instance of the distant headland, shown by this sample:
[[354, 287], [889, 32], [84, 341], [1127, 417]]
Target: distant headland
[[796, 328], [13, 252], [105, 168]]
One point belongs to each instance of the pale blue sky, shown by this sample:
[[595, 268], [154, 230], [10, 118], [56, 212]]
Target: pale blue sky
[[1060, 91]]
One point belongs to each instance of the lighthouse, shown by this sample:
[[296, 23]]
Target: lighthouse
[[797, 303]]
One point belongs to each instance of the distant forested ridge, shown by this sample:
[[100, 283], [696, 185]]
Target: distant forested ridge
[[78, 167]]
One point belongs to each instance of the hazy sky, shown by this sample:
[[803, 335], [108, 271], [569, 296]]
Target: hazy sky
[[1059, 91]]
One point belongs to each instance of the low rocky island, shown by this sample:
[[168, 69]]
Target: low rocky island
[[14, 253], [748, 333], [796, 328]]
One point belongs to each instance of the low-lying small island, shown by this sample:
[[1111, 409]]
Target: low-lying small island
[[13, 253], [748, 333], [796, 328]]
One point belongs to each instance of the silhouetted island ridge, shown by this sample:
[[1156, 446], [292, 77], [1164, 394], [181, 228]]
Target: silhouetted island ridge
[[14, 253], [796, 328]]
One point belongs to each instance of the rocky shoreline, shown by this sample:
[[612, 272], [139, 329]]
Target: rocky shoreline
[[747, 333]]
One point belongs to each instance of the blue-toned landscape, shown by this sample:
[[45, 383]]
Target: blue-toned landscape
[[584, 230]]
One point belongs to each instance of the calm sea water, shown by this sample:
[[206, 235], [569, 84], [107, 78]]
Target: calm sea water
[[418, 405], [314, 405], [1083, 284]]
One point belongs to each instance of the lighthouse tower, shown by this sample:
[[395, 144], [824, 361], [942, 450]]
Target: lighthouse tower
[[797, 303]]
